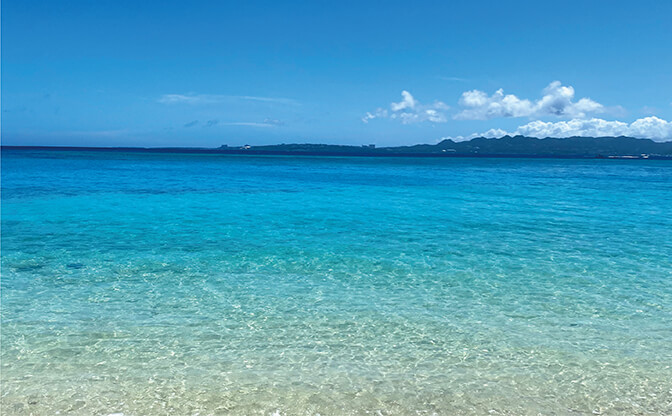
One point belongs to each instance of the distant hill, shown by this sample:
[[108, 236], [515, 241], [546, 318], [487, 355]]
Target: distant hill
[[583, 147], [507, 146]]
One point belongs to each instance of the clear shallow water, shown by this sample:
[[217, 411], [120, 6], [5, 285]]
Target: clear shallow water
[[153, 284]]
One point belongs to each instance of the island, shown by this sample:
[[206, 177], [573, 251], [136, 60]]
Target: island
[[508, 146]]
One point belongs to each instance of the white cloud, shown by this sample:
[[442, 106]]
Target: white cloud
[[379, 113], [409, 110], [217, 98], [653, 128], [268, 122], [249, 124], [408, 102], [557, 100], [458, 79], [179, 98]]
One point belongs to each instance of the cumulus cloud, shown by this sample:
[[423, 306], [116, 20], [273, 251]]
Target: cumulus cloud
[[557, 100], [379, 113], [409, 110], [653, 128]]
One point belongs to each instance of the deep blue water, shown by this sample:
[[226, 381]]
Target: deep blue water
[[144, 284]]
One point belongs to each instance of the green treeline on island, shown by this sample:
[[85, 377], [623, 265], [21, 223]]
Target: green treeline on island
[[608, 147], [507, 146]]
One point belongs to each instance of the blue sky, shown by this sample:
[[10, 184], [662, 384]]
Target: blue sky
[[146, 73]]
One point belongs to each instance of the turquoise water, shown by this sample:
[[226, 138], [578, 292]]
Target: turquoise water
[[176, 284]]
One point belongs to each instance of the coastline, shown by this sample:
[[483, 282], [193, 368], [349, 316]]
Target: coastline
[[368, 154]]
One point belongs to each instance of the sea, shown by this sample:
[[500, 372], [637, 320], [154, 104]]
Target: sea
[[168, 283]]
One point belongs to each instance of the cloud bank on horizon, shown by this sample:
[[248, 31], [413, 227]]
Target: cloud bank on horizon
[[557, 101], [652, 127]]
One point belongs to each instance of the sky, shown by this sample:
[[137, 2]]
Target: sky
[[203, 74]]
